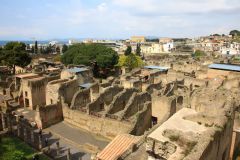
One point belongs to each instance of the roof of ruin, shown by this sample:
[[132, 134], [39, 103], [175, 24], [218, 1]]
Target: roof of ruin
[[77, 70], [161, 68], [177, 122], [117, 147], [86, 85], [228, 67], [26, 75]]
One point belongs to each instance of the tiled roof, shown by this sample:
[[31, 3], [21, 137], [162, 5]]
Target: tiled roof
[[117, 147]]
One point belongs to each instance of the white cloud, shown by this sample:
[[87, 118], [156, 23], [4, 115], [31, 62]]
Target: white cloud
[[102, 7]]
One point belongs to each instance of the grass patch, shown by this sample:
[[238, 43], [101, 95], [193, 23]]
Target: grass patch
[[10, 145]]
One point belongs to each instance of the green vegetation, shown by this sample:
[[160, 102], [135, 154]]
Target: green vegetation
[[64, 48], [234, 33], [138, 50], [57, 58], [131, 61], [14, 54], [199, 53], [36, 47], [128, 51], [87, 54], [12, 148]]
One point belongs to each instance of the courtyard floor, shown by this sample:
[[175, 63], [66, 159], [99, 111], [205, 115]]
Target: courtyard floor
[[81, 142]]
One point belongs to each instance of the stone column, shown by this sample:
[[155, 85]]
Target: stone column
[[40, 141], [3, 121], [18, 130], [58, 148], [32, 136], [1, 127], [234, 135], [68, 154], [9, 124], [48, 149], [25, 138]]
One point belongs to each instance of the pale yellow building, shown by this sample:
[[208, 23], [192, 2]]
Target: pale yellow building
[[138, 39]]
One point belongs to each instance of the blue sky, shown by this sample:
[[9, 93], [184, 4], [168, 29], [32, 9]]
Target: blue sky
[[58, 19]]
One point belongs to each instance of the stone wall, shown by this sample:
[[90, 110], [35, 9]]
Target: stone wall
[[163, 107], [34, 91], [99, 125], [81, 99], [213, 73], [68, 89], [52, 91], [48, 115], [104, 99], [120, 101]]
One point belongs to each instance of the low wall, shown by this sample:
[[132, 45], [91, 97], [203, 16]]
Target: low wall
[[109, 128]]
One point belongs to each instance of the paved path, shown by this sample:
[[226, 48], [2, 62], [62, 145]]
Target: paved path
[[82, 143]]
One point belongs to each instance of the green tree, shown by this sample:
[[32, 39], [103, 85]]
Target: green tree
[[234, 33], [131, 61], [88, 54], [138, 50], [57, 50], [13, 54], [16, 46], [64, 48], [36, 47], [128, 51], [18, 155], [199, 53]]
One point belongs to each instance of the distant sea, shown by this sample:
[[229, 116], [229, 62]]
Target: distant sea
[[2, 43]]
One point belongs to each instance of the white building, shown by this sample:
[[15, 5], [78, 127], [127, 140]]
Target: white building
[[232, 49]]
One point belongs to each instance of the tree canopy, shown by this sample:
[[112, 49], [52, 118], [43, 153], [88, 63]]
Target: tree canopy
[[64, 48], [128, 51], [131, 61], [199, 53], [13, 54], [90, 53], [138, 50], [234, 33]]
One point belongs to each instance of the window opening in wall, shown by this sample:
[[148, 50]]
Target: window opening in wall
[[26, 102]]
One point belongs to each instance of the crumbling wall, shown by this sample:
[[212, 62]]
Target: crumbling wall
[[143, 120], [136, 104], [100, 125], [213, 73], [81, 99], [120, 101], [163, 107], [52, 91], [195, 83], [104, 99], [231, 83], [49, 115], [68, 89], [34, 91]]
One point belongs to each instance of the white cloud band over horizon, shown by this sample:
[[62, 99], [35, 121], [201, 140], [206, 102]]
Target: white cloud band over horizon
[[111, 19]]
